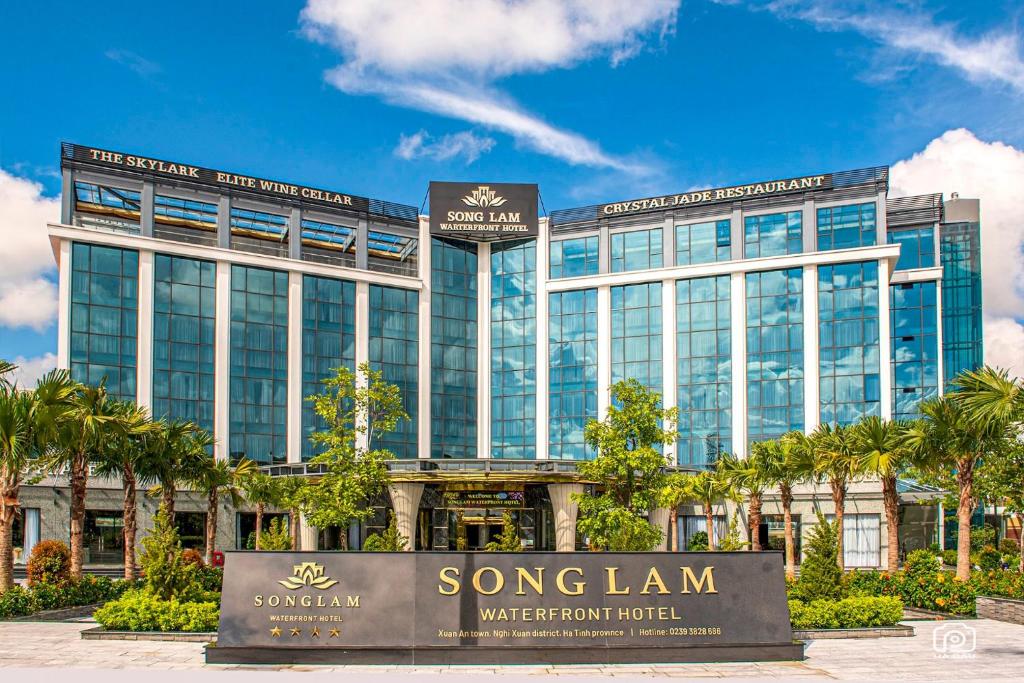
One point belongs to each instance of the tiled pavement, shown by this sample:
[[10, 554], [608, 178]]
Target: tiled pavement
[[998, 655]]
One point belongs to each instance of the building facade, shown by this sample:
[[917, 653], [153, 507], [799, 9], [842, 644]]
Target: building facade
[[755, 309]]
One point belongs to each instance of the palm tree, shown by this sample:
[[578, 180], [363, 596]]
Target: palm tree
[[879, 444], [292, 493], [707, 488], [262, 490], [6, 367], [783, 469], [951, 437], [213, 478], [829, 453], [672, 495], [748, 476], [178, 450]]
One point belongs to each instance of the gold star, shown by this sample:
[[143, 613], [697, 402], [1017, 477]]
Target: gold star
[[276, 632], [316, 632], [335, 633], [296, 631]]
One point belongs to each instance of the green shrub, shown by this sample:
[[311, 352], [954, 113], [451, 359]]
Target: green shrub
[[1008, 546], [857, 612], [871, 583], [49, 563], [507, 541], [276, 537], [141, 610], [17, 602], [949, 557], [1001, 583], [820, 575], [210, 579], [698, 542], [989, 558], [193, 556], [934, 549], [168, 575]]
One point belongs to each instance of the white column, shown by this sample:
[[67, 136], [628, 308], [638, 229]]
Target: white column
[[362, 349], [884, 341], [738, 325], [543, 257], [604, 349], [423, 396], [809, 227], [405, 499], [483, 350], [222, 362], [881, 220], [64, 306], [812, 384], [565, 510], [144, 333], [659, 519], [668, 355], [308, 535], [736, 234], [294, 367]]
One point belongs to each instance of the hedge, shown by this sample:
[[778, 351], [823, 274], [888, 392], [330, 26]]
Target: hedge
[[140, 610], [857, 612], [89, 590]]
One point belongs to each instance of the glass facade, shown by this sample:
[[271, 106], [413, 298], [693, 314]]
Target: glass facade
[[453, 343], [636, 334], [637, 250], [846, 227], [917, 247], [572, 383], [960, 251], [575, 257], [514, 350], [915, 351], [258, 412], [328, 342], [106, 206], [184, 319], [104, 317], [704, 369], [775, 353], [775, 234], [394, 350], [258, 224], [185, 212], [848, 342], [703, 242]]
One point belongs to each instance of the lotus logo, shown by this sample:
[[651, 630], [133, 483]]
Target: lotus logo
[[483, 197], [308, 574]]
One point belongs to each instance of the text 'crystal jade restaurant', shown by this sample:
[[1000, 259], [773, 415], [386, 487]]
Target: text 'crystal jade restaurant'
[[755, 308]]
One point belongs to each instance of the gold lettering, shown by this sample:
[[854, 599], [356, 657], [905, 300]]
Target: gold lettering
[[578, 586], [273, 601], [707, 576], [499, 580], [306, 601], [654, 579], [449, 581], [258, 601], [353, 601], [289, 601], [612, 588], [536, 583]]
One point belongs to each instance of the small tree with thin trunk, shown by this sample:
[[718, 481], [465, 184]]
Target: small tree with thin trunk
[[782, 467], [293, 493], [879, 444], [261, 490], [214, 479], [673, 494], [750, 477], [708, 488]]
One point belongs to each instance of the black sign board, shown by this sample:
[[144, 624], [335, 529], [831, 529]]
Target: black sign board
[[483, 211], [423, 607]]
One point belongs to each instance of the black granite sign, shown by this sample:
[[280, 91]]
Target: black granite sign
[[283, 607], [483, 211]]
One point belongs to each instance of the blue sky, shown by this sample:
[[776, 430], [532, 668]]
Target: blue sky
[[599, 101]]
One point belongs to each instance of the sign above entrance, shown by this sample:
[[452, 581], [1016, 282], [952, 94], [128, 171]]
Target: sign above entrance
[[483, 211], [482, 499]]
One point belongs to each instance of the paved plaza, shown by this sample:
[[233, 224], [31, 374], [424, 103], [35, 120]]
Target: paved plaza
[[998, 654]]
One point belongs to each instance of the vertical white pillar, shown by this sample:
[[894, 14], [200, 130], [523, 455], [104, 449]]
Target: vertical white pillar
[[64, 306], [294, 366], [483, 350], [881, 220], [736, 234], [668, 355], [812, 384], [405, 499], [144, 333], [423, 395], [604, 349], [222, 363], [362, 350], [809, 227], [565, 510], [543, 361], [884, 341], [738, 330]]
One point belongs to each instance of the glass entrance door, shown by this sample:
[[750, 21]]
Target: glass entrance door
[[104, 536]]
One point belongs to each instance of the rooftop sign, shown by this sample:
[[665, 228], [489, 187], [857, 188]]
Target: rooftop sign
[[483, 212]]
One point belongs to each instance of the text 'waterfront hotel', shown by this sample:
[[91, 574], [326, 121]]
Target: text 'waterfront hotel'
[[756, 309]]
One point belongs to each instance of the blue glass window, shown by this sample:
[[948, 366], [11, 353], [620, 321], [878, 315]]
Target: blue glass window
[[269, 226], [120, 207], [637, 250], [394, 350], [775, 353], [917, 247], [962, 339], [848, 342], [184, 314], [104, 317], [514, 349], [575, 257], [636, 334], [846, 227], [185, 212], [915, 351], [258, 412], [773, 234], [328, 342], [703, 242], [453, 330], [704, 369], [328, 236], [572, 383], [389, 253]]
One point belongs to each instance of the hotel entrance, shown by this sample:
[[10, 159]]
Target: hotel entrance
[[468, 516]]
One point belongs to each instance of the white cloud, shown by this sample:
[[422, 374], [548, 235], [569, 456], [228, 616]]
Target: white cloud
[[442, 56], [993, 57], [28, 296], [137, 63], [993, 172], [422, 144], [31, 369]]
